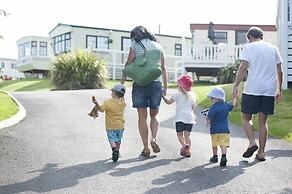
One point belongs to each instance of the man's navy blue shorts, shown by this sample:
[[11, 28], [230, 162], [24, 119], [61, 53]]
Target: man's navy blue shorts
[[251, 104]]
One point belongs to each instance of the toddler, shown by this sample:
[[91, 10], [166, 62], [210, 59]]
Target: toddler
[[185, 117], [217, 119], [114, 108]]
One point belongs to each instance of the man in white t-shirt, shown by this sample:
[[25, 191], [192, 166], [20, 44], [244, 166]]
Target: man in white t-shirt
[[262, 88]]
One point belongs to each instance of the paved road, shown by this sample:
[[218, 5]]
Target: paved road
[[57, 148]]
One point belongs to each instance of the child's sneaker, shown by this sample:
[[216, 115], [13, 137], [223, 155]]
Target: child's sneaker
[[115, 155], [214, 159], [223, 161]]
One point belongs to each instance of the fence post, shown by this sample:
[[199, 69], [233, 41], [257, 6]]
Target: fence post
[[114, 64], [226, 50], [175, 71], [283, 24]]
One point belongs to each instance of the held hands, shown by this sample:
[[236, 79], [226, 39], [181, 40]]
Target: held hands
[[235, 92], [164, 90], [278, 96]]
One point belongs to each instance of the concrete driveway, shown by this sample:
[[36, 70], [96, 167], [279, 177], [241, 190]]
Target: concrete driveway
[[57, 148]]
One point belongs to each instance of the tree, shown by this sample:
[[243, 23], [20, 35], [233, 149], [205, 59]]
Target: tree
[[228, 74]]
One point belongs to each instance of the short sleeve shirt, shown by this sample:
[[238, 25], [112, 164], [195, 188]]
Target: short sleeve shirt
[[263, 59], [184, 105], [114, 113], [148, 44], [218, 115]]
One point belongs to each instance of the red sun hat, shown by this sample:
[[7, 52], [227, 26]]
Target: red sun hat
[[185, 82]]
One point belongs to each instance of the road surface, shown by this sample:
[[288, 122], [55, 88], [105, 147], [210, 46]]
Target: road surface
[[57, 148]]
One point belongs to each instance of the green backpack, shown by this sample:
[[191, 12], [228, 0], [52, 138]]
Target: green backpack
[[145, 68]]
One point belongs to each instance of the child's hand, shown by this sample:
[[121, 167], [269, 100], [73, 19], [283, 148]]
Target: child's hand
[[207, 124], [163, 92], [94, 100], [94, 112]]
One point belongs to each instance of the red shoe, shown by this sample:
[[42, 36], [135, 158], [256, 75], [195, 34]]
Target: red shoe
[[188, 154], [184, 150]]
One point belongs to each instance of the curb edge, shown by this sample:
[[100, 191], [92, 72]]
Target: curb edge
[[20, 115]]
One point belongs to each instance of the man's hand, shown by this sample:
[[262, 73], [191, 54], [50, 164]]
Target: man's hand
[[278, 96]]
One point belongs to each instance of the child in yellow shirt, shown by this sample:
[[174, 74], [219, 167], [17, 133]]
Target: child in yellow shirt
[[114, 118]]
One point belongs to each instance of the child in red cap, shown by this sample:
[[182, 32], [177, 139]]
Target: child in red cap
[[185, 117]]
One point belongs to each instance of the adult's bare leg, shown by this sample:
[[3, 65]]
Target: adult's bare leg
[[154, 123], [263, 133], [142, 125], [248, 128]]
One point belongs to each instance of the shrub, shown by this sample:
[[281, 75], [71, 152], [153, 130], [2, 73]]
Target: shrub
[[228, 74], [78, 70]]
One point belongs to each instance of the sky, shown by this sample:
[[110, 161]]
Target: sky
[[39, 17]]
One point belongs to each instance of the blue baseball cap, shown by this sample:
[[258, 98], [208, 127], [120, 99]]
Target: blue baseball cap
[[119, 88]]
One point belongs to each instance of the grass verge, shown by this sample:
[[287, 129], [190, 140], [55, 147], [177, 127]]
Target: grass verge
[[279, 124], [8, 107], [26, 85]]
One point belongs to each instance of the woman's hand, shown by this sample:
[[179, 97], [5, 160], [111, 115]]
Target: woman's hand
[[164, 91]]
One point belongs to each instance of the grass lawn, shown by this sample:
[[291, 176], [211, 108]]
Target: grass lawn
[[111, 83], [40, 85], [7, 106], [279, 124], [26, 85]]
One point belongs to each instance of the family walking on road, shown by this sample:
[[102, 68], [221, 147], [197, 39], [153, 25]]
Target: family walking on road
[[262, 89]]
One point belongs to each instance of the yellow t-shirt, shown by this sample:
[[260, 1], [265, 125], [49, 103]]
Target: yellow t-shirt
[[114, 113]]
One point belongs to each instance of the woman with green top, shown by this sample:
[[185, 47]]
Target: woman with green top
[[147, 96]]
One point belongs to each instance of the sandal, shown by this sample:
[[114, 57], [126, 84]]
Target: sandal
[[155, 147], [260, 158], [249, 152], [145, 152]]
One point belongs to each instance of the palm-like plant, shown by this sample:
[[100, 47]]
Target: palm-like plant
[[79, 70]]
